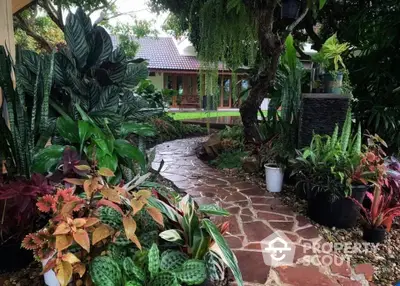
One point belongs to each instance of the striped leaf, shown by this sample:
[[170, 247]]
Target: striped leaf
[[227, 255], [76, 39]]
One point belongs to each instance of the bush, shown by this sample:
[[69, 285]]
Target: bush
[[229, 159]]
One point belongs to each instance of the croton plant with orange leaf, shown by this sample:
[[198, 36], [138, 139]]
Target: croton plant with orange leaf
[[77, 232]]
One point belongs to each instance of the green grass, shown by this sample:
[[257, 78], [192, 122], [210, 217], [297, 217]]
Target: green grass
[[203, 114]]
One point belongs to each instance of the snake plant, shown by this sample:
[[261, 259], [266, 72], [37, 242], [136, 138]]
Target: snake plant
[[27, 127]]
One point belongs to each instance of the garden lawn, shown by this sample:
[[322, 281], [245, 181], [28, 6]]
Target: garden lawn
[[203, 114]]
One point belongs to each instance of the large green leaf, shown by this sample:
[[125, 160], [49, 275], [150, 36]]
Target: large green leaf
[[68, 129], [213, 210], [134, 74], [141, 129], [108, 99], [47, 159], [228, 256], [108, 161], [76, 39], [127, 150], [107, 44], [167, 210]]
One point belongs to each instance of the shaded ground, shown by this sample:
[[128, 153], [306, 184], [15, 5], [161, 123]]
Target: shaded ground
[[256, 214]]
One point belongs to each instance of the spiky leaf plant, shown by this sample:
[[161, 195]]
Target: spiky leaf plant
[[26, 129]]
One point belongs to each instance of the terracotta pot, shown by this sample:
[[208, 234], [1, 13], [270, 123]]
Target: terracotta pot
[[387, 223]]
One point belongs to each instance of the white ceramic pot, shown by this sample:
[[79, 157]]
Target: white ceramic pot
[[273, 178], [50, 278]]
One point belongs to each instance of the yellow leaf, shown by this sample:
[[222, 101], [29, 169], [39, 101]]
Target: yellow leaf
[[143, 195], [71, 258], [82, 238], [63, 242], [64, 272], [130, 228], [91, 221], [80, 268], [74, 181], [79, 222], [156, 215], [100, 233], [111, 195], [106, 172], [136, 205], [82, 167], [62, 228]]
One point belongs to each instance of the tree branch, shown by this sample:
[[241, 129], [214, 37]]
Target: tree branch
[[294, 24], [309, 27], [52, 13], [23, 25]]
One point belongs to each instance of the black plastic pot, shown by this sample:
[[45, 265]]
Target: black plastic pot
[[358, 192], [290, 9], [14, 257], [375, 235], [340, 213], [333, 85]]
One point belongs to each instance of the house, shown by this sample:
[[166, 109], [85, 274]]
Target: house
[[173, 65]]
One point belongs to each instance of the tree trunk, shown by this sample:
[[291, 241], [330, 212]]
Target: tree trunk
[[271, 47]]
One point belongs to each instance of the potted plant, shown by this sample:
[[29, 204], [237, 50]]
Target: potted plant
[[321, 167], [330, 60], [370, 170], [381, 209]]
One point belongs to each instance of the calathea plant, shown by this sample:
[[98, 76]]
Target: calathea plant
[[27, 128], [90, 72]]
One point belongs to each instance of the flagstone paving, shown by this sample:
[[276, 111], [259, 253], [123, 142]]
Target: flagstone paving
[[255, 214]]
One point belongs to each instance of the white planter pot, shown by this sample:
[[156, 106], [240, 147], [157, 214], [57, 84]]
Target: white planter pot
[[50, 278], [273, 178]]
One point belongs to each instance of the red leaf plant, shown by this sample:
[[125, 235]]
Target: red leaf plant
[[381, 209], [17, 204]]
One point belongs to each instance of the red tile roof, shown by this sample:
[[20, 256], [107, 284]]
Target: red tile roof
[[162, 54]]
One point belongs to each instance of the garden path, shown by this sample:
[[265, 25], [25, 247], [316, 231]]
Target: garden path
[[255, 214]]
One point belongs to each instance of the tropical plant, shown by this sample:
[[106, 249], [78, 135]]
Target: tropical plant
[[323, 165], [382, 208], [26, 129], [330, 55], [371, 168], [83, 226], [17, 204], [86, 141], [288, 88], [108, 235], [191, 229], [89, 72]]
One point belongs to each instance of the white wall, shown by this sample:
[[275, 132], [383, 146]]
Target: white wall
[[158, 80]]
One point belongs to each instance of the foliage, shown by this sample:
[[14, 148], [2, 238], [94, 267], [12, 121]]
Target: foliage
[[192, 229], [27, 129], [85, 140], [381, 208], [36, 32], [288, 88], [371, 168], [173, 26], [373, 33], [17, 199], [89, 72], [77, 234], [109, 235], [330, 55], [324, 164], [234, 133], [229, 159]]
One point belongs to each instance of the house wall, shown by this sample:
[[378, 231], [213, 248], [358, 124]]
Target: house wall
[[158, 80]]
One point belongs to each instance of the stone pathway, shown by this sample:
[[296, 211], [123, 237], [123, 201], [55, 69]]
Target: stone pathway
[[255, 214]]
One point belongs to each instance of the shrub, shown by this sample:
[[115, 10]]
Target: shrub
[[229, 159]]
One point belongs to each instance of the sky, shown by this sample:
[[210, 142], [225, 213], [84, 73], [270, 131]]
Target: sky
[[142, 13]]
